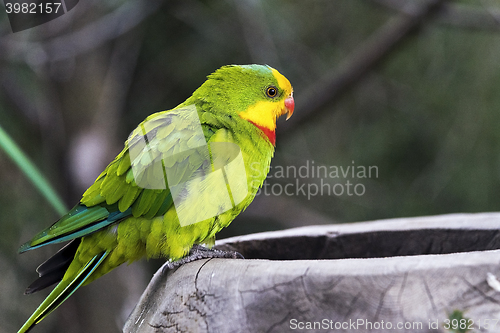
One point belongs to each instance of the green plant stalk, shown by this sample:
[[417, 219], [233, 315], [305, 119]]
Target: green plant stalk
[[31, 171]]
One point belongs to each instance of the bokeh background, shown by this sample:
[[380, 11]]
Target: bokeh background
[[411, 87]]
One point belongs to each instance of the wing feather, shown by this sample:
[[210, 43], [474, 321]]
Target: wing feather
[[168, 148]]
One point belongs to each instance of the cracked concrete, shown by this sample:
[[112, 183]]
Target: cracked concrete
[[419, 285]]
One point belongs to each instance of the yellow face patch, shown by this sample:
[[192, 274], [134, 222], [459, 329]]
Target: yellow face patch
[[264, 113], [282, 82]]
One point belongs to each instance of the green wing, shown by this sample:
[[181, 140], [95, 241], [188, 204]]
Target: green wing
[[167, 149]]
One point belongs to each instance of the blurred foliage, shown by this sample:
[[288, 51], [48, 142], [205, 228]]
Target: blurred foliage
[[31, 172], [72, 89], [457, 323]]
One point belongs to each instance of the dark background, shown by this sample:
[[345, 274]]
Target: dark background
[[412, 90]]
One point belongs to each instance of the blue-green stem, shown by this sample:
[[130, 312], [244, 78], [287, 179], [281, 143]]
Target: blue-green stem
[[31, 171]]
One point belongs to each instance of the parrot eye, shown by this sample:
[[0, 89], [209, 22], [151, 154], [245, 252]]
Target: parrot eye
[[272, 91]]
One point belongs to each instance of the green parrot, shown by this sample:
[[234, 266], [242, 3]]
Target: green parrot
[[183, 175]]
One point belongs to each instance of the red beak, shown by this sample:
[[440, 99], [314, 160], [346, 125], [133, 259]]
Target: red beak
[[289, 105]]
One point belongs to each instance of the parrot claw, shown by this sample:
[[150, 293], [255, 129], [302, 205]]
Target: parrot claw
[[200, 252]]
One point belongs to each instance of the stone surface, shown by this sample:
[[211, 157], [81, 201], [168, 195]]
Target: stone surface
[[362, 277]]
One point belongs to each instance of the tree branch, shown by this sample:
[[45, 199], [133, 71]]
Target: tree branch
[[91, 36], [456, 15], [314, 101]]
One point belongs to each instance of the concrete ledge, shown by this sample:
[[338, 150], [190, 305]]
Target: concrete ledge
[[382, 273]]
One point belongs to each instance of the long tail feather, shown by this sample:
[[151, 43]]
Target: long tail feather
[[53, 269], [62, 291]]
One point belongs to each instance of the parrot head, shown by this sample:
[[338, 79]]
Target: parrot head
[[256, 93]]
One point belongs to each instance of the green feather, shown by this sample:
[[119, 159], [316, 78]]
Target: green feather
[[80, 217], [124, 163], [128, 198], [62, 291], [143, 202], [116, 193]]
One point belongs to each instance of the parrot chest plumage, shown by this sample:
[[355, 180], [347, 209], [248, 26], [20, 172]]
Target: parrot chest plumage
[[163, 235]]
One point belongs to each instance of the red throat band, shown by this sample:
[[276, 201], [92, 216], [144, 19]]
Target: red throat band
[[270, 134]]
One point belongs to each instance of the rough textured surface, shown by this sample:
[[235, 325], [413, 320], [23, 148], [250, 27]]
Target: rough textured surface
[[387, 273]]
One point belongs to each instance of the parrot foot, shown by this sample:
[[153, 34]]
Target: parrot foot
[[200, 252]]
